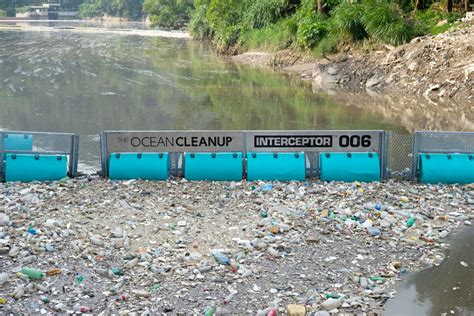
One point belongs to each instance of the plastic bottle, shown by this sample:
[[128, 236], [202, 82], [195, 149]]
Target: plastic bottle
[[4, 278], [411, 221], [32, 273], [122, 297], [209, 311], [272, 312], [82, 309], [221, 258], [116, 271]]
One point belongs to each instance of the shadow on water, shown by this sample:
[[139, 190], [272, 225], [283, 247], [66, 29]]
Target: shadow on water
[[448, 288]]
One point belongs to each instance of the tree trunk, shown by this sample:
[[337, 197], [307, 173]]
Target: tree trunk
[[450, 5], [418, 5], [320, 7]]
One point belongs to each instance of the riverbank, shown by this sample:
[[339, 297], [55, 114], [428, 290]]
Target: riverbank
[[181, 247], [436, 68]]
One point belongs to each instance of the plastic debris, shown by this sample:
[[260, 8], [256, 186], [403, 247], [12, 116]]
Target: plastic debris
[[175, 247], [32, 273]]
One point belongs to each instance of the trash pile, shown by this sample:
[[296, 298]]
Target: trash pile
[[96, 246]]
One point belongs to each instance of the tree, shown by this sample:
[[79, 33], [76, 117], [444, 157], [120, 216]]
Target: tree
[[168, 13], [131, 9], [320, 7]]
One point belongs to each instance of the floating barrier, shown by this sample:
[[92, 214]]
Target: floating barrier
[[446, 168], [276, 166], [33, 156], [17, 141], [234, 155], [333, 155], [213, 166], [444, 157], [28, 167], [196, 155], [349, 167], [435, 157], [147, 166]]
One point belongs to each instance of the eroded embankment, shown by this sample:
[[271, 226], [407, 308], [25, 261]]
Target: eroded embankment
[[437, 68]]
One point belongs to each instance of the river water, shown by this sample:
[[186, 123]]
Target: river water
[[85, 83], [65, 81]]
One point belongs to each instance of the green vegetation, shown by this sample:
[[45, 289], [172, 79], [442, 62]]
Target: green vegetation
[[312, 25], [7, 8], [320, 26], [129, 9], [168, 13]]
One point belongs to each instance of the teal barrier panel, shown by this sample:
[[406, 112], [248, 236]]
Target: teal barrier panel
[[18, 142], [446, 168], [145, 166], [28, 167], [363, 166], [276, 166], [213, 166]]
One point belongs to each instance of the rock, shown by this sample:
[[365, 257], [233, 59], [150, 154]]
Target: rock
[[332, 70], [118, 232], [413, 66], [373, 82], [331, 303], [322, 313], [295, 310], [96, 241], [323, 79], [442, 22], [417, 39]]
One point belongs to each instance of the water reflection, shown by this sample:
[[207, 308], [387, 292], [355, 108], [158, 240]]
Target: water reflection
[[85, 83], [444, 289]]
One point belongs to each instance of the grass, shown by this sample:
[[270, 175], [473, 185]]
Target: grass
[[270, 38]]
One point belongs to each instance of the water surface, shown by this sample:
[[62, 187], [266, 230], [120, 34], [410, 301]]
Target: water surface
[[447, 289], [86, 83]]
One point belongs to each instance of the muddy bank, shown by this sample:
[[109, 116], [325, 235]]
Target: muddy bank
[[437, 68], [245, 248]]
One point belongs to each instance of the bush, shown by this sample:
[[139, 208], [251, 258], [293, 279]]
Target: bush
[[327, 45], [198, 26], [262, 13], [384, 21], [273, 37], [10, 12], [346, 20], [311, 30], [168, 13], [425, 21], [225, 21], [3, 13]]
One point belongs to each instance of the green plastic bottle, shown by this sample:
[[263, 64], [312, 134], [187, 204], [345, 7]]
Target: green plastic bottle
[[32, 273], [411, 221], [209, 311]]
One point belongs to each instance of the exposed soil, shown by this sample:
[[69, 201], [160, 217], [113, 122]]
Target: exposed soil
[[434, 67]]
